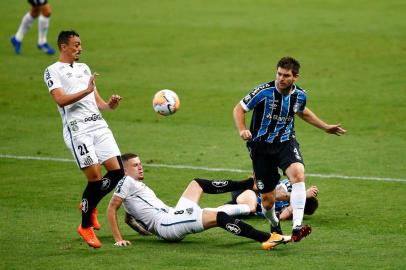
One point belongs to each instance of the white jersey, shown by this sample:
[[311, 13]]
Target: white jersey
[[168, 223], [141, 202], [82, 116]]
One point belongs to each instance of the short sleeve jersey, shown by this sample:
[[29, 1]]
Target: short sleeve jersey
[[141, 202], [82, 116], [273, 116]]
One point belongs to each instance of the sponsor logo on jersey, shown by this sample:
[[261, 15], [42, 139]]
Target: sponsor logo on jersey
[[94, 117], [85, 205], [88, 161], [219, 183], [50, 83], [260, 184], [273, 105], [105, 184], [280, 118], [233, 228], [69, 75]]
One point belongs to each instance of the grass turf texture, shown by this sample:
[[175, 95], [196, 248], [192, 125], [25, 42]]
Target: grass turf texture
[[211, 53]]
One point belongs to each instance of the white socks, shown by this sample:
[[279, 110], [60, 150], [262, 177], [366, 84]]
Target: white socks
[[270, 215], [232, 209], [24, 26], [43, 24], [297, 201]]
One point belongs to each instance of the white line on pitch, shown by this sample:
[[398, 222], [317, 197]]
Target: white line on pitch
[[370, 178]]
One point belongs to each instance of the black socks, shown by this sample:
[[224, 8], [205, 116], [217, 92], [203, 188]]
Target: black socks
[[222, 186], [240, 228]]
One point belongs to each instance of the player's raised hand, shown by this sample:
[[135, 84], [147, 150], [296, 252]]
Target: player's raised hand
[[91, 85], [114, 101], [122, 243], [335, 129]]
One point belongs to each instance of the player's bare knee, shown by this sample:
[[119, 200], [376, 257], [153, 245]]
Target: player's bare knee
[[253, 207], [297, 177], [34, 12], [195, 185], [46, 10]]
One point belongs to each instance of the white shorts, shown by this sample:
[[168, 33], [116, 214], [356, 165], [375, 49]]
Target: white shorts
[[94, 147], [185, 218]]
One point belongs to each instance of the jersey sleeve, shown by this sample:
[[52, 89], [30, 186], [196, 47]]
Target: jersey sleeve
[[253, 98], [52, 79], [124, 188], [302, 102]]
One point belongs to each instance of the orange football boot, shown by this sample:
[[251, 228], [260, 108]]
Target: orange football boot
[[88, 235]]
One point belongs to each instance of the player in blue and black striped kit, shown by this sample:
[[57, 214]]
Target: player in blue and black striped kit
[[272, 143]]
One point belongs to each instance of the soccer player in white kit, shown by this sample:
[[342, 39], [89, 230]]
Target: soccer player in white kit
[[86, 133], [174, 223]]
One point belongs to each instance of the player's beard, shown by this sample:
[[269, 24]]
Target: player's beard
[[285, 89]]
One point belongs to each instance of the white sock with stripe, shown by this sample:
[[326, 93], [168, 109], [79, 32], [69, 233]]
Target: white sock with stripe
[[232, 209], [297, 201], [26, 23], [43, 25]]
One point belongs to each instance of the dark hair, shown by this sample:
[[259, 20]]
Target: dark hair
[[311, 205], [289, 63], [64, 36], [125, 157]]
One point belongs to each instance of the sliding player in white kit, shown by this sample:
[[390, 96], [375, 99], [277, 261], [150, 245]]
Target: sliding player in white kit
[[86, 133], [174, 223]]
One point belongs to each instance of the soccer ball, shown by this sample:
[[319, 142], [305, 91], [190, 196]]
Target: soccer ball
[[165, 102]]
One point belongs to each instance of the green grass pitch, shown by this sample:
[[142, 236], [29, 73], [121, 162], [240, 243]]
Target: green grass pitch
[[353, 57]]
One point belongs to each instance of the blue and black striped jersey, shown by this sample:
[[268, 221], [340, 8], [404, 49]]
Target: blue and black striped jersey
[[273, 116]]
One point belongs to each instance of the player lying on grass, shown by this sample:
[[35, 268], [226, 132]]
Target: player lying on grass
[[174, 223], [250, 202]]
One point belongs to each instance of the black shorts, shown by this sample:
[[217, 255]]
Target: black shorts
[[267, 158], [37, 3]]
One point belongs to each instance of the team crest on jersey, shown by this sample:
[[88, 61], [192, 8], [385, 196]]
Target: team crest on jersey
[[233, 228], [105, 184], [260, 184], [50, 83], [74, 125]]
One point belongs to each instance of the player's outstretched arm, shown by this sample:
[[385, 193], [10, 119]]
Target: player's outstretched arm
[[311, 118], [239, 120], [112, 104], [114, 205]]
